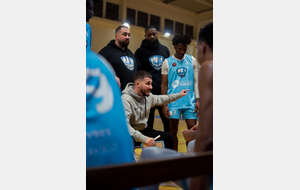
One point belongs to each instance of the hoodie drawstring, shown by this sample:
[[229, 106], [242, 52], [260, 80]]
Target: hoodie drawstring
[[145, 110]]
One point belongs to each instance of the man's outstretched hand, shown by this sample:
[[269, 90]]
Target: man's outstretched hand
[[183, 92]]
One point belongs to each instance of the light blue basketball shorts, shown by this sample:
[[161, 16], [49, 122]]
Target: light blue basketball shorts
[[186, 113]]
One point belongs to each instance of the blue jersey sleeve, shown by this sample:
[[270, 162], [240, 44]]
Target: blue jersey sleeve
[[88, 36]]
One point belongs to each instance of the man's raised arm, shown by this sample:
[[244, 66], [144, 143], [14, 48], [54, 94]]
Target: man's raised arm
[[164, 85]]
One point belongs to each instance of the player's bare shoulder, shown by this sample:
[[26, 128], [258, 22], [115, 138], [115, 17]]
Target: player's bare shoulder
[[206, 71], [207, 64]]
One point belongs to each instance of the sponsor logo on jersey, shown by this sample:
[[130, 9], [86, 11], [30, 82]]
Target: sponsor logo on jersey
[[128, 62], [175, 83], [174, 64], [181, 71], [156, 61]]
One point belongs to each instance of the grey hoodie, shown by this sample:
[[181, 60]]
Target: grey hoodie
[[137, 109]]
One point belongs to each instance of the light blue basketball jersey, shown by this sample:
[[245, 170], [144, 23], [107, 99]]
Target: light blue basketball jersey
[[107, 137], [180, 77], [88, 36]]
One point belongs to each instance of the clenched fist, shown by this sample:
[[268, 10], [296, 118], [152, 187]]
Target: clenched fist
[[150, 141]]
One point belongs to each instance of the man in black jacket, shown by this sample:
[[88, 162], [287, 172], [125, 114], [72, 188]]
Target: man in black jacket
[[120, 57], [151, 55]]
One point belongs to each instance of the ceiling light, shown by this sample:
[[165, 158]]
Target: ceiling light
[[167, 34], [126, 24]]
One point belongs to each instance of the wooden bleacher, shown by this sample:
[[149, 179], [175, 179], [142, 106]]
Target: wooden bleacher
[[144, 173]]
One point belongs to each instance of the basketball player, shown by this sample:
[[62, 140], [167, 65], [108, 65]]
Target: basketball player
[[180, 71]]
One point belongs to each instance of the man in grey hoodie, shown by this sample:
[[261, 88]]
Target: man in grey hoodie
[[138, 101]]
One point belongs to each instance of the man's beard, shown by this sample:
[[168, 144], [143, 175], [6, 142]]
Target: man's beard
[[150, 43], [124, 43], [144, 92]]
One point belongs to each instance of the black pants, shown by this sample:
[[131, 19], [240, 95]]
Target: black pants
[[165, 121], [164, 136]]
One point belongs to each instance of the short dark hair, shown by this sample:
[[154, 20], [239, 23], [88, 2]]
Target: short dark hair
[[149, 27], [141, 75], [179, 38], [206, 34], [119, 28]]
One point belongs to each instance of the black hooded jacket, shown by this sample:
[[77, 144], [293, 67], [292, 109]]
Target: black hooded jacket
[[151, 59], [124, 62]]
